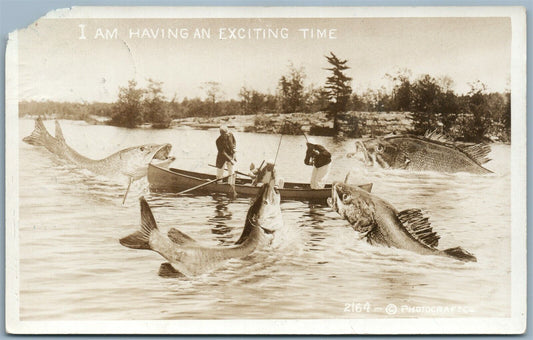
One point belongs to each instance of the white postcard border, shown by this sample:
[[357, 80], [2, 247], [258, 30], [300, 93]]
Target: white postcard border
[[515, 324]]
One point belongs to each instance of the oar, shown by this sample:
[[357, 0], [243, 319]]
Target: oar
[[127, 190], [236, 171], [203, 184]]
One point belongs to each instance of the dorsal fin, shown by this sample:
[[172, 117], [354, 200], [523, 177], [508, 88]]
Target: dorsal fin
[[439, 137], [178, 237], [478, 152], [419, 227], [59, 132]]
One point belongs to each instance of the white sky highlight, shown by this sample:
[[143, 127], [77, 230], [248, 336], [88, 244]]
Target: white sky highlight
[[54, 64]]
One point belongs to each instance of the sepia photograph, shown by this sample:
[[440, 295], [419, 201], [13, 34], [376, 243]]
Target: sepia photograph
[[267, 170]]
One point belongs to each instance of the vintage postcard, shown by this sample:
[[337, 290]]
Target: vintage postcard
[[280, 170]]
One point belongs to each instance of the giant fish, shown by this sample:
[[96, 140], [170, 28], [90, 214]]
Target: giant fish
[[131, 162], [429, 153], [381, 224], [188, 257]]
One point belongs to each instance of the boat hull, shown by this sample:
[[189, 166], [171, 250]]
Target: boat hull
[[176, 180]]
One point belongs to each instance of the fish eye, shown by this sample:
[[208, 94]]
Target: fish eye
[[142, 148], [265, 202], [380, 148], [345, 197]]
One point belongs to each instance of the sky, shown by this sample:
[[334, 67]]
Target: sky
[[63, 61]]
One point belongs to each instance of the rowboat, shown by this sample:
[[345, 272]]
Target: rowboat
[[175, 180]]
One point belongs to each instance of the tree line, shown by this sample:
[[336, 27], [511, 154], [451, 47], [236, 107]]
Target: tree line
[[433, 103]]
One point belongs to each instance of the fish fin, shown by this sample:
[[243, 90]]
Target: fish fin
[[419, 227], [347, 178], [38, 134], [59, 133], [478, 152], [437, 136], [140, 239], [178, 237], [461, 254], [166, 270], [137, 240]]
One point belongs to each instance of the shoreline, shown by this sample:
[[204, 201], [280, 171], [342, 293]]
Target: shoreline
[[368, 123], [353, 124]]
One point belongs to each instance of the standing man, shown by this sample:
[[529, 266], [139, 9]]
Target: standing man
[[320, 159], [226, 154]]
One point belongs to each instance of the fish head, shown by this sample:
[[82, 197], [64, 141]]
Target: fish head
[[353, 204], [137, 158], [382, 152], [266, 208]]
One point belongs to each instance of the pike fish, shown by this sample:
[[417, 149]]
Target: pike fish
[[187, 257], [381, 224], [429, 153], [131, 162]]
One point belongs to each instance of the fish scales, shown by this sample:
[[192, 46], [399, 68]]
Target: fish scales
[[388, 226], [423, 154], [131, 162]]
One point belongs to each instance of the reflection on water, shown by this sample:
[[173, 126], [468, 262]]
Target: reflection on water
[[222, 215], [72, 266], [313, 220]]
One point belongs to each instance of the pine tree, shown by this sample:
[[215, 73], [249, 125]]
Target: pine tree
[[338, 87]]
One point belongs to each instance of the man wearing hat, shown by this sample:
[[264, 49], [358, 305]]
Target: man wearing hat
[[320, 158], [226, 145]]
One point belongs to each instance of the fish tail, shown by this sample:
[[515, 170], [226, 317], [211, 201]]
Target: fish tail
[[59, 133], [39, 134], [140, 239], [461, 254]]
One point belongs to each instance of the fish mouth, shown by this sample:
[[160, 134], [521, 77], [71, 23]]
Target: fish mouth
[[334, 200], [369, 158], [161, 155]]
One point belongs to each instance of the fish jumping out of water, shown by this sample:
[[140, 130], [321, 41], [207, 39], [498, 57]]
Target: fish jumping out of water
[[188, 257], [131, 162], [381, 224], [429, 153]]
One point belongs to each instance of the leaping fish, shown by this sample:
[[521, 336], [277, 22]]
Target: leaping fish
[[131, 162], [429, 153], [381, 224], [187, 257]]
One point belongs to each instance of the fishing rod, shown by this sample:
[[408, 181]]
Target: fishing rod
[[279, 145], [303, 133]]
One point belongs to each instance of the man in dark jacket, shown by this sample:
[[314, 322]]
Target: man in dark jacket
[[226, 146], [320, 159]]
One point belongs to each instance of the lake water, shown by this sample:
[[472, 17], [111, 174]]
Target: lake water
[[72, 266]]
